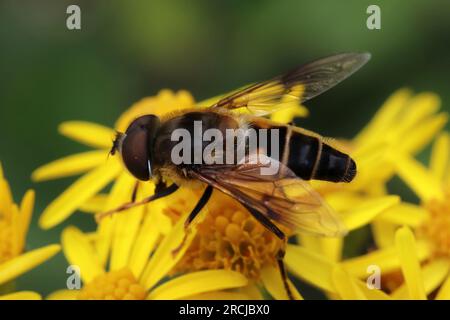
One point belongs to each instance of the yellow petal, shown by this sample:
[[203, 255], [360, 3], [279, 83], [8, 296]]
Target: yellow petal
[[78, 193], [164, 259], [419, 108], [126, 225], [88, 133], [433, 273], [13, 268], [218, 295], [70, 166], [405, 214], [95, 204], [26, 211], [409, 262], [252, 291], [418, 178], [17, 238], [367, 211], [386, 259], [384, 117], [120, 193], [444, 291], [310, 242], [346, 285], [343, 200], [332, 248], [63, 295], [422, 134], [22, 295], [145, 242], [198, 282], [440, 156], [80, 252], [310, 266], [287, 115], [164, 102], [383, 233], [273, 283], [7, 199]]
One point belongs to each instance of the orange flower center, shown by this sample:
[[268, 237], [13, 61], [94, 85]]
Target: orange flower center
[[437, 228], [114, 285], [230, 238]]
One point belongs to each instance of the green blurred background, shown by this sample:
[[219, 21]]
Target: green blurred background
[[130, 49]]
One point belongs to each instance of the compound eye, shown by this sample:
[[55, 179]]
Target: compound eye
[[135, 153]]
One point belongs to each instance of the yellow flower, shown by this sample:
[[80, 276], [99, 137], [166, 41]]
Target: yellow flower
[[404, 124], [425, 257], [14, 223], [140, 257]]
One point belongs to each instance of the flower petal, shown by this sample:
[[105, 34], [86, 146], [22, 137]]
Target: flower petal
[[422, 134], [418, 178], [440, 156], [80, 252], [288, 114], [146, 241], [405, 214], [70, 165], [164, 258], [26, 211], [386, 259], [384, 117], [164, 102], [346, 285], [126, 224], [198, 282], [367, 211], [433, 273], [332, 248], [444, 291], [88, 133], [95, 204], [13, 268], [309, 266], [273, 283], [409, 262], [22, 295], [383, 233], [64, 294], [78, 193], [218, 295]]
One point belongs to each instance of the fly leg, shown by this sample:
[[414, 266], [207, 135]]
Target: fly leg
[[160, 192], [280, 254], [197, 209], [135, 190]]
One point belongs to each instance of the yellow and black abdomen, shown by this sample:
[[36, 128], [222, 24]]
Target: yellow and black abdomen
[[311, 158], [308, 156]]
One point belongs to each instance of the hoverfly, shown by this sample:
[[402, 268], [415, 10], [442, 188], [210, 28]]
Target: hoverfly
[[283, 197]]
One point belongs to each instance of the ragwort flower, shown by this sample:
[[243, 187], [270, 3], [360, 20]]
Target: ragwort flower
[[14, 223], [141, 255], [425, 265], [405, 124]]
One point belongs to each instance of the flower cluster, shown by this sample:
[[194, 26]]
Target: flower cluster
[[146, 253]]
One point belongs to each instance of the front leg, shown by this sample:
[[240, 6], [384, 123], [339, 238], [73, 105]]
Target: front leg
[[160, 192], [197, 209]]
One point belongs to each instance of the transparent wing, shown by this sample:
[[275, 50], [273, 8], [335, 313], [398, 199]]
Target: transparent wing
[[301, 84], [282, 197]]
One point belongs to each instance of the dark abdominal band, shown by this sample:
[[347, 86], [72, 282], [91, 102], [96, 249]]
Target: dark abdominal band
[[310, 158]]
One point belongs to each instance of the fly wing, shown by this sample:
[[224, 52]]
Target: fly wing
[[300, 84], [283, 197]]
